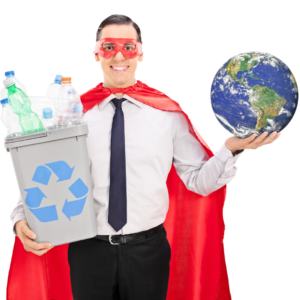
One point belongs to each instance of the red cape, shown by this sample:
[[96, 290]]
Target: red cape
[[194, 225]]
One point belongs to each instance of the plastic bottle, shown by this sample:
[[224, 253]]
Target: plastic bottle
[[11, 74], [48, 119], [10, 120], [77, 113], [54, 87], [67, 98], [21, 106]]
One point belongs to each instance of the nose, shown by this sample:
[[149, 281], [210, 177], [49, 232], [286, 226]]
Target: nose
[[119, 56]]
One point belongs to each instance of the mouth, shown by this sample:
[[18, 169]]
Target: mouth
[[119, 69]]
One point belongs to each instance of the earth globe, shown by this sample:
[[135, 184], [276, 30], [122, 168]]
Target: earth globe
[[254, 92]]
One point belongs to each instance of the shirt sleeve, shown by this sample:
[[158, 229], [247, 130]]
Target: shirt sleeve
[[200, 174], [17, 214]]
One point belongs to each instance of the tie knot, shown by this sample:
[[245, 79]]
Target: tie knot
[[118, 102]]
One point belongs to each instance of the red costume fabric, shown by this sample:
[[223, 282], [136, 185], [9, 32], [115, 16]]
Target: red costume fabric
[[119, 45], [194, 225]]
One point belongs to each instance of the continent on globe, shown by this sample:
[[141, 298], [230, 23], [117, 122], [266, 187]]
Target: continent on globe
[[267, 103], [242, 63], [254, 92], [294, 81]]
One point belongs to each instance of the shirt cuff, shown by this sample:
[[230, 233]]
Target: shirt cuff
[[18, 217], [225, 155]]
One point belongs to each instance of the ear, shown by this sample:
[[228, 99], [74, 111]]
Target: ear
[[141, 57], [97, 58]]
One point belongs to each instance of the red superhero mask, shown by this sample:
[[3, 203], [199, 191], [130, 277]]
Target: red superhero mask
[[109, 47]]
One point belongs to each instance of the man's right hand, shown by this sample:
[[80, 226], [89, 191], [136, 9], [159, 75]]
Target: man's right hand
[[26, 236]]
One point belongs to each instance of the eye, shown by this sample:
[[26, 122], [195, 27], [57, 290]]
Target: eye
[[129, 47], [108, 47]]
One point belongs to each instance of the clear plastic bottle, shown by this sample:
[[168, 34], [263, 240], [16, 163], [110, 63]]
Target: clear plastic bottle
[[67, 98], [21, 106], [11, 74], [48, 119], [77, 113], [54, 87], [10, 120]]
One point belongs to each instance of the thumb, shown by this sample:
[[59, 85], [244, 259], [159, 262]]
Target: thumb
[[250, 139], [29, 233]]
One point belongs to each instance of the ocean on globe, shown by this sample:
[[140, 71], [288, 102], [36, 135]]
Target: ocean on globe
[[254, 92]]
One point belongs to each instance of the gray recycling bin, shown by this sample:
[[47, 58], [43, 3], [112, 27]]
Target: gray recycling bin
[[52, 169]]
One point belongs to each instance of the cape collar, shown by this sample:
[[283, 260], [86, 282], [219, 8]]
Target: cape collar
[[112, 96], [107, 100]]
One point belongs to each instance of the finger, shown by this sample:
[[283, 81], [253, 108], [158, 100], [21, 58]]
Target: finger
[[39, 252], [271, 138], [37, 246], [244, 142], [258, 140], [250, 139], [29, 233]]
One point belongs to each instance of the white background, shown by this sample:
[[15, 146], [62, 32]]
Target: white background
[[185, 43]]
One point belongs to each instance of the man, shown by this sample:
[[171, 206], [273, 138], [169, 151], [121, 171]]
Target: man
[[133, 141]]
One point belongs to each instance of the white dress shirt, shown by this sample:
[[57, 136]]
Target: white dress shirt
[[154, 139]]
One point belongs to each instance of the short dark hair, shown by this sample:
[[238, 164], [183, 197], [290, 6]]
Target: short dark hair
[[120, 20]]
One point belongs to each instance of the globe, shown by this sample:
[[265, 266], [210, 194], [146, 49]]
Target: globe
[[254, 92]]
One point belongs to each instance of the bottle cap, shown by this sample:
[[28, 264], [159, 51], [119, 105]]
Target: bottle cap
[[47, 113], [58, 79], [9, 81], [65, 80], [4, 101], [9, 73], [78, 108]]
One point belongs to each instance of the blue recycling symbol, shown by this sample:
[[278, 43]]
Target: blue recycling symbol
[[35, 196]]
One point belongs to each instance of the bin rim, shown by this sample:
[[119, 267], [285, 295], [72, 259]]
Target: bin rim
[[46, 136]]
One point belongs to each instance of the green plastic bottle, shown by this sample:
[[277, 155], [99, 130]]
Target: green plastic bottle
[[21, 106]]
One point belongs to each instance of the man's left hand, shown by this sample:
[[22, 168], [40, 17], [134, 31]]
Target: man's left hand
[[235, 143]]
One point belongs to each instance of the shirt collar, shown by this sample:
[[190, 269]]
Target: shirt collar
[[112, 96]]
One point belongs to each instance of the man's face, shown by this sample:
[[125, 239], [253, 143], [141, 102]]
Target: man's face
[[118, 70]]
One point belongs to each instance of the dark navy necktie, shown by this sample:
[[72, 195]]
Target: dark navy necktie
[[117, 210]]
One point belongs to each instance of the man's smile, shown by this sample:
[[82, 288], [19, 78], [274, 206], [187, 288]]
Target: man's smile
[[120, 68]]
